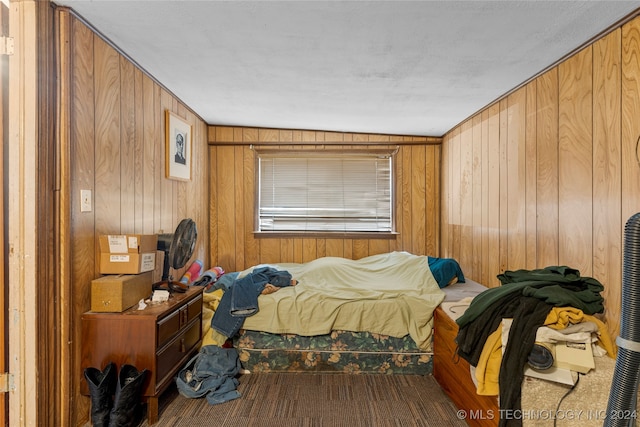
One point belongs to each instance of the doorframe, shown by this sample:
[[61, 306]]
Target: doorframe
[[21, 186]]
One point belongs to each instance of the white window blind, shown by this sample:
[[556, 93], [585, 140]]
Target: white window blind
[[325, 192]]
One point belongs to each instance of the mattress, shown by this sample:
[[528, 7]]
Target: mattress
[[458, 296], [343, 351]]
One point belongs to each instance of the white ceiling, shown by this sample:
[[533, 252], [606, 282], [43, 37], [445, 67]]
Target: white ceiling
[[391, 67]]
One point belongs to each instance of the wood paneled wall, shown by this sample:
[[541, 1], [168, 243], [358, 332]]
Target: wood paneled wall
[[117, 150], [549, 175], [232, 197]]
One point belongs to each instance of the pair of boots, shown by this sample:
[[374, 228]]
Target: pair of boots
[[125, 409]]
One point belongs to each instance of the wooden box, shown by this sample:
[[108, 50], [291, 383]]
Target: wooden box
[[116, 293]]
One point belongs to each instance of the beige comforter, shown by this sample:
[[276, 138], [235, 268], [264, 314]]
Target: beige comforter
[[390, 294]]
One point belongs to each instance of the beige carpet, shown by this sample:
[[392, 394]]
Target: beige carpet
[[585, 405], [280, 399]]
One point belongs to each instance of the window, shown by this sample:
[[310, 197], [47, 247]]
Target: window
[[325, 191]]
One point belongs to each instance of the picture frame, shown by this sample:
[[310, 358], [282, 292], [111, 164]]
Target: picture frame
[[178, 147]]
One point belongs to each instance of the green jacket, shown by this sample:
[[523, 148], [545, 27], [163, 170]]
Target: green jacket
[[560, 286]]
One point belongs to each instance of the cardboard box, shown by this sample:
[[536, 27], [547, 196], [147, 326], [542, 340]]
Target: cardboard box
[[116, 293], [574, 356], [127, 253]]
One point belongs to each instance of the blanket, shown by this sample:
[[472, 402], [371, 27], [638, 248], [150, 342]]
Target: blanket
[[390, 294]]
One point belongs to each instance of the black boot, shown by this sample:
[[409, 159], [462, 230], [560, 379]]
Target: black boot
[[102, 385], [127, 405]]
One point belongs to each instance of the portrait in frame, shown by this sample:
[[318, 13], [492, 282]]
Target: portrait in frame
[[178, 147]]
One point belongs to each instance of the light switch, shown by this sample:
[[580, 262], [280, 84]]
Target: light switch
[[85, 200]]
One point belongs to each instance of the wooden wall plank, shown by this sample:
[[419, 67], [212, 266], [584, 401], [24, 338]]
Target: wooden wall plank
[[466, 196], [484, 272], [225, 209], [575, 156], [127, 140], [405, 197], [547, 169], [166, 186], [445, 213], [252, 245], [503, 223], [82, 171], [607, 166], [138, 160], [477, 195], [531, 179], [418, 198], [214, 218], [493, 193], [630, 121], [432, 186], [240, 189], [515, 179], [456, 199], [107, 138]]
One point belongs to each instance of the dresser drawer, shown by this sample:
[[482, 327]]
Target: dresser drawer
[[169, 326], [179, 348]]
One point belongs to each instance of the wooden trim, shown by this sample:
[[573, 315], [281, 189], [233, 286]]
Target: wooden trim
[[50, 381], [324, 235], [274, 151], [225, 135], [4, 277], [62, 227]]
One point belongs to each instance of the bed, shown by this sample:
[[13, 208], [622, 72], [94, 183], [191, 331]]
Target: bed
[[373, 315]]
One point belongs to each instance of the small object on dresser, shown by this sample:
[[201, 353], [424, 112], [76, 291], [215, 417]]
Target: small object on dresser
[[160, 295]]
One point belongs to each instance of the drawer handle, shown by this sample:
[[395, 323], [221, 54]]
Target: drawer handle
[[184, 316], [182, 347]]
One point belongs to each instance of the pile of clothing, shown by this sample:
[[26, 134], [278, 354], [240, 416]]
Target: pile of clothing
[[212, 373], [556, 297]]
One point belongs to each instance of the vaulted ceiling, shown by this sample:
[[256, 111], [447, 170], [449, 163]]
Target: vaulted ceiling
[[391, 67]]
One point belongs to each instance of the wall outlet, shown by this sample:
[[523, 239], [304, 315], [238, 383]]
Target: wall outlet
[[85, 200]]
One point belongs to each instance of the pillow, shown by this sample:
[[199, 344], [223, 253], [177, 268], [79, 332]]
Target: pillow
[[446, 271]]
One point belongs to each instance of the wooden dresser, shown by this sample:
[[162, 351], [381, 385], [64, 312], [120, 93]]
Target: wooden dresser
[[452, 373], [160, 338]]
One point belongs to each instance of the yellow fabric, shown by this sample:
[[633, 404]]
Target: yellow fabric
[[391, 294], [488, 368], [210, 303], [561, 317]]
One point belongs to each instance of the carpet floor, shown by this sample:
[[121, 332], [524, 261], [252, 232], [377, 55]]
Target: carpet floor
[[281, 399]]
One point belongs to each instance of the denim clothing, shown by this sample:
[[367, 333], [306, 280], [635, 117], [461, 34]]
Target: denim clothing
[[224, 282], [211, 373], [241, 300]]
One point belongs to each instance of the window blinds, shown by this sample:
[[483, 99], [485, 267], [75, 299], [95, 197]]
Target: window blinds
[[325, 192]]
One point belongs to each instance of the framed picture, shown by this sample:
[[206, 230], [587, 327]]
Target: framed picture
[[178, 150]]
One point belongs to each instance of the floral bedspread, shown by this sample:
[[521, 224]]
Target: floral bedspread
[[339, 352]]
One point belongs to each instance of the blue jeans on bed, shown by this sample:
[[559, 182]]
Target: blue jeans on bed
[[241, 300]]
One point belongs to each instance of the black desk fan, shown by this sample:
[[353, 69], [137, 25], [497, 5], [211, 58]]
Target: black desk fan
[[178, 248]]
